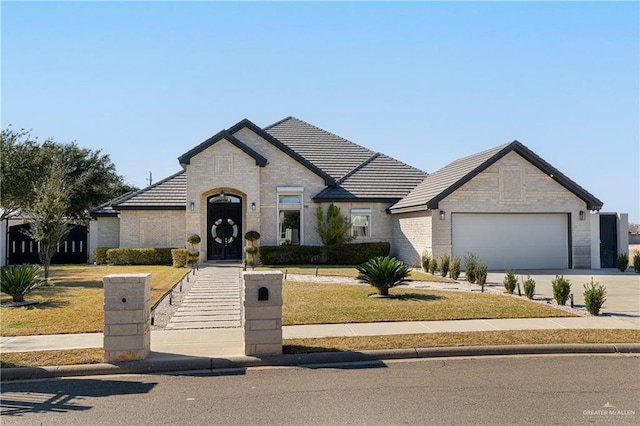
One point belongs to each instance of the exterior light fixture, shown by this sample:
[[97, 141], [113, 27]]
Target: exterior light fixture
[[253, 206], [441, 214], [192, 205], [582, 215]]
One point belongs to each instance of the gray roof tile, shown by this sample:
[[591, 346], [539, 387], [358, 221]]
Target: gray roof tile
[[452, 176], [169, 193]]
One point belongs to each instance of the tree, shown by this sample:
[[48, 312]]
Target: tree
[[335, 229], [91, 175], [47, 213]]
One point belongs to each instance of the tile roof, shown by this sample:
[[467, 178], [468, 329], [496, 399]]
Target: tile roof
[[443, 182], [359, 172], [167, 194]]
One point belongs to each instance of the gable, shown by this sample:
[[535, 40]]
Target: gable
[[220, 136], [450, 178]]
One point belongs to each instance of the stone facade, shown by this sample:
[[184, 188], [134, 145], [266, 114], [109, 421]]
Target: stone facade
[[127, 316], [262, 318], [411, 236], [152, 228], [513, 185], [108, 232]]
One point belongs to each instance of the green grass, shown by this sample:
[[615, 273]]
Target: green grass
[[344, 271], [476, 338], [333, 344], [309, 303], [73, 303]]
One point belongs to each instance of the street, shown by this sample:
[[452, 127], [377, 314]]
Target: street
[[490, 390]]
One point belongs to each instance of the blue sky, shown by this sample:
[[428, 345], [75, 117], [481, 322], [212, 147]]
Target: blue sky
[[424, 82]]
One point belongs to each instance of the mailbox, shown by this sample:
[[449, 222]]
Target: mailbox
[[263, 293]]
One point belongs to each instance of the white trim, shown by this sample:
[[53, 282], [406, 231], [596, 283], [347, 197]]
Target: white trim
[[290, 190]]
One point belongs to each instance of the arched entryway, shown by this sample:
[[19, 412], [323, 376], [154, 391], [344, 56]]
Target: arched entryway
[[224, 227]]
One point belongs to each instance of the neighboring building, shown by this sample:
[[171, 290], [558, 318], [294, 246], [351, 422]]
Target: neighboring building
[[506, 204]]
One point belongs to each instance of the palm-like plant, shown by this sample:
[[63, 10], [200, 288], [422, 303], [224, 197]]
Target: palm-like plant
[[383, 273], [18, 280]]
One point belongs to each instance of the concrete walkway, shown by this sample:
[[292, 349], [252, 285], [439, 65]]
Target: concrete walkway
[[226, 342], [213, 301]]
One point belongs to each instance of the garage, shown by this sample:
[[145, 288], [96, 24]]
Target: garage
[[513, 241]]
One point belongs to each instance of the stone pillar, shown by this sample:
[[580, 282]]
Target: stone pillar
[[127, 317], [262, 319]]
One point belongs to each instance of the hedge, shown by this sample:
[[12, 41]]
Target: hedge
[[100, 255], [140, 256], [179, 258], [339, 254]]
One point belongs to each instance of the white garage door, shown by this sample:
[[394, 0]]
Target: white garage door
[[513, 241]]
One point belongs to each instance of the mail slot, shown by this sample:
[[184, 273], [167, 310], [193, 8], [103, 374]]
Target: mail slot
[[263, 293]]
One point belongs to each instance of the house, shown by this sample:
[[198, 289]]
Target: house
[[506, 204]]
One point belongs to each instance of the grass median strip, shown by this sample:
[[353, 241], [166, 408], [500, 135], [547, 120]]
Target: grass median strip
[[484, 338], [309, 303], [342, 344], [73, 303]]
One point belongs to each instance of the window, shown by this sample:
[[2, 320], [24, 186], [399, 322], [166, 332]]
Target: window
[[361, 223], [290, 215]]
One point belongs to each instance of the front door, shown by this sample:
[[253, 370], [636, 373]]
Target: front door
[[224, 224], [608, 240]]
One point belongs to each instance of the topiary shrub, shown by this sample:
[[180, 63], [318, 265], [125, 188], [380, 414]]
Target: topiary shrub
[[179, 258], [529, 287], [100, 256], [510, 281], [470, 263], [622, 262], [594, 297], [454, 268], [425, 259], [561, 289], [193, 239], [140, 256], [636, 261], [19, 280], [383, 273], [433, 265], [444, 265]]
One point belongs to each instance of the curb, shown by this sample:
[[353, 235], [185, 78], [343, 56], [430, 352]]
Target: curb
[[180, 364]]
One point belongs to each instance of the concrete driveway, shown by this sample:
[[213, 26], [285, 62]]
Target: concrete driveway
[[623, 288]]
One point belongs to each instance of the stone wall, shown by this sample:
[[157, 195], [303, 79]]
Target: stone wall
[[152, 228], [513, 185], [108, 232], [411, 236]]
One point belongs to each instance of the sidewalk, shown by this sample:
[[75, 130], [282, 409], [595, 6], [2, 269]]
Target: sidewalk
[[228, 341]]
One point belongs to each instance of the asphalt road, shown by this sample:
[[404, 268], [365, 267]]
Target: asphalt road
[[602, 389]]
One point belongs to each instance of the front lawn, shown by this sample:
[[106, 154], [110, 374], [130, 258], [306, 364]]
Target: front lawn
[[344, 271], [73, 303], [309, 303]]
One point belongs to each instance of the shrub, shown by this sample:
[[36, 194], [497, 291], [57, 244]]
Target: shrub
[[529, 287], [192, 257], [425, 259], [383, 273], [339, 254], [252, 236], [636, 261], [454, 268], [444, 264], [561, 289], [356, 253], [19, 280], [594, 297], [334, 229], [140, 256], [100, 255], [481, 274], [193, 239], [510, 281], [433, 265], [179, 257], [622, 262], [470, 262], [291, 255]]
